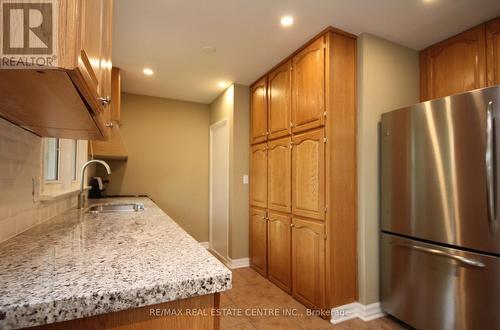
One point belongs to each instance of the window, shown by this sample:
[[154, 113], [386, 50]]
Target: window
[[61, 161], [51, 159], [74, 158]]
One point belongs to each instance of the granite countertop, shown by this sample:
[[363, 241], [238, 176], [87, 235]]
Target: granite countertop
[[79, 264]]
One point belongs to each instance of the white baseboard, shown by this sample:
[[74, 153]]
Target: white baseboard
[[239, 263], [204, 244], [356, 309]]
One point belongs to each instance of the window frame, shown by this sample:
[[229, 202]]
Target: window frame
[[74, 161], [65, 182], [58, 148]]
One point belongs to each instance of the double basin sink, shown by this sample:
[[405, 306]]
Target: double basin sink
[[113, 208]]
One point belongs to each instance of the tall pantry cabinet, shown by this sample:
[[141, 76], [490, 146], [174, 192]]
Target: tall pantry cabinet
[[303, 172]]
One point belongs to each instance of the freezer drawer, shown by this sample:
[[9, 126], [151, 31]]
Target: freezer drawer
[[431, 287]]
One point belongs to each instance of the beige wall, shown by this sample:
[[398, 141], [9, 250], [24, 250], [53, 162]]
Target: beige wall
[[167, 142], [233, 105], [388, 78]]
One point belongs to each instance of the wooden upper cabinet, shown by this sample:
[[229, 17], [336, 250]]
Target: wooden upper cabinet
[[93, 45], [493, 51], [280, 101], [308, 87], [279, 246], [453, 66], [258, 109], [308, 174], [94, 58], [258, 175], [279, 175], [116, 87], [308, 262], [258, 240], [69, 96]]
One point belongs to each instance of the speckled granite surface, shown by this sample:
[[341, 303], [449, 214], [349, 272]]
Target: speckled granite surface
[[79, 265]]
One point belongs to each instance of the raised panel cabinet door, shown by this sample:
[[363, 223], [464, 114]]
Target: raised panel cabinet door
[[308, 174], [258, 110], [93, 43], [279, 175], [106, 52], [457, 65], [308, 262], [279, 245], [258, 240], [280, 101], [104, 81], [308, 87], [258, 175], [493, 51]]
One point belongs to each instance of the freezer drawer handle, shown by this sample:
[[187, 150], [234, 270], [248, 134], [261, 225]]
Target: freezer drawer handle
[[490, 169], [467, 261]]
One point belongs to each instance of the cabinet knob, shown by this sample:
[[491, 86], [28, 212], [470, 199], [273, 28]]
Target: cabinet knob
[[110, 124], [105, 101], [292, 225]]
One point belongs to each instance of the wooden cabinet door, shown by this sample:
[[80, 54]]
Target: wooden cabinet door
[[279, 245], [280, 101], [279, 175], [96, 37], [258, 110], [106, 67], [308, 87], [116, 88], [455, 65], [94, 59], [258, 240], [308, 262], [258, 175], [308, 174], [493, 52]]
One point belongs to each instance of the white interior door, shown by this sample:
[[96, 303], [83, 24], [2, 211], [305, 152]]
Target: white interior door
[[219, 188]]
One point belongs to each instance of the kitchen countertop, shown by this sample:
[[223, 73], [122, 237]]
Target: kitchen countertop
[[79, 264]]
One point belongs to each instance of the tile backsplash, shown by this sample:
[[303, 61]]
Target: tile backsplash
[[20, 164]]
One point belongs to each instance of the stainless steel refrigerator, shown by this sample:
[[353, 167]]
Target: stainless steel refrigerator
[[440, 209]]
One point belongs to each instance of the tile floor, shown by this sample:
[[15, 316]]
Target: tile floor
[[253, 293]]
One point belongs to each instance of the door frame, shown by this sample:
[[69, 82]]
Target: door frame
[[222, 122]]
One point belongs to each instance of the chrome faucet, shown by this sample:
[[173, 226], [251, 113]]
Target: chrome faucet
[[81, 196]]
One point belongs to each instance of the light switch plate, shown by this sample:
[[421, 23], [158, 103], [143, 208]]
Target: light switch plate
[[245, 179]]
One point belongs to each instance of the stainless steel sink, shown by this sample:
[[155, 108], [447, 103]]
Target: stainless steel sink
[[111, 208]]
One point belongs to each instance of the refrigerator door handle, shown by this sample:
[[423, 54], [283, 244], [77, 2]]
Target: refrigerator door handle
[[490, 168], [464, 260]]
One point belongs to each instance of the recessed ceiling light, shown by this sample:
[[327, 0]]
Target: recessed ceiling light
[[224, 84], [208, 49], [286, 20], [148, 71]]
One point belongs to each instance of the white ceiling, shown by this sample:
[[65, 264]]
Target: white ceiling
[[168, 36]]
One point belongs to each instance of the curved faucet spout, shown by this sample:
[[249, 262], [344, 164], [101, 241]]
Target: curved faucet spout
[[81, 197]]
